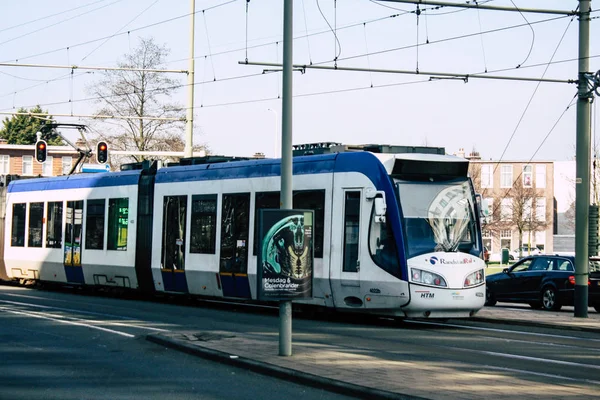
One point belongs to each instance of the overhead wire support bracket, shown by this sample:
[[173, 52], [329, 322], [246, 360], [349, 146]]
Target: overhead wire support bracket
[[484, 7], [593, 83], [464, 77]]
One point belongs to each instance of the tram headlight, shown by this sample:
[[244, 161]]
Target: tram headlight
[[427, 278], [475, 278]]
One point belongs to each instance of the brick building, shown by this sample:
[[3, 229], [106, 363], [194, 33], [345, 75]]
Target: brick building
[[521, 202], [17, 159]]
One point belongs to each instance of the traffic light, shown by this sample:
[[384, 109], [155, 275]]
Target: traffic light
[[102, 152], [41, 151]]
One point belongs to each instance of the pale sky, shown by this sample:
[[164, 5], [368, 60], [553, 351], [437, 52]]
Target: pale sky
[[232, 101]]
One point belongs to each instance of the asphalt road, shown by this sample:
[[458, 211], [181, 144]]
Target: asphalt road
[[64, 346], [79, 346]]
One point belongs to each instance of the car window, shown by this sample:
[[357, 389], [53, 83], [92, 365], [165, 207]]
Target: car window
[[538, 264], [522, 267], [565, 265]]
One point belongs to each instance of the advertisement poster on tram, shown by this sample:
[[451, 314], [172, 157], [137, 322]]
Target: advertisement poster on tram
[[285, 256]]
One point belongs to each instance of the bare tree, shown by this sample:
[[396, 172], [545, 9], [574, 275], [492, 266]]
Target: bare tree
[[138, 94], [514, 208]]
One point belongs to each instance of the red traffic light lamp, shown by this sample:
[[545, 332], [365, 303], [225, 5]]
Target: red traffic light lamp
[[102, 152], [41, 151]]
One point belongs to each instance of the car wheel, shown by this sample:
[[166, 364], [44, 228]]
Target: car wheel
[[511, 258], [550, 299], [535, 305], [490, 299]]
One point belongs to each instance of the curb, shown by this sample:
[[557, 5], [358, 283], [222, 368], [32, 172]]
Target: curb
[[319, 382]]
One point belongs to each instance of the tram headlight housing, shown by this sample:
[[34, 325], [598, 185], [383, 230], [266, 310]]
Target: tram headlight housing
[[475, 278], [427, 278]]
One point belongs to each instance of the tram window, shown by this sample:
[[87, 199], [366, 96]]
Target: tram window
[[351, 231], [36, 215], [118, 223], [18, 225], [203, 224], [54, 225], [313, 200], [382, 244], [94, 224], [268, 200]]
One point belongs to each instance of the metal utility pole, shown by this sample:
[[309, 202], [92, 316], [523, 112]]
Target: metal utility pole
[[582, 154], [189, 124], [285, 306]]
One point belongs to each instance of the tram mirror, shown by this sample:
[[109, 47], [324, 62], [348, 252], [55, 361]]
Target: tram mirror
[[380, 209]]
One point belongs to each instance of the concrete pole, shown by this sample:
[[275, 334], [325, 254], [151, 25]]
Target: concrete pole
[[189, 124], [582, 181], [285, 307]]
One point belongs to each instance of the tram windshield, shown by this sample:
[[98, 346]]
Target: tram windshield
[[438, 216]]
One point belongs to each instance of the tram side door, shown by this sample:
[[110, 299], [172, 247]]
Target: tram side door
[[172, 264], [233, 257], [346, 282], [73, 235]]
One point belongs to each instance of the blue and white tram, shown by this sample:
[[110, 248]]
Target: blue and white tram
[[394, 234]]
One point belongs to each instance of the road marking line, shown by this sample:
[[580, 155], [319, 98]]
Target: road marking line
[[62, 321], [89, 313]]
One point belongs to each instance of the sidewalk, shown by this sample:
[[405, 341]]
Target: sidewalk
[[374, 374]]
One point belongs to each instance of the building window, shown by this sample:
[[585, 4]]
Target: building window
[[540, 176], [4, 164], [27, 165], [540, 240], [47, 167], [506, 239], [67, 164], [528, 176], [487, 239], [487, 174], [506, 210], [490, 205], [506, 176], [541, 209], [528, 210]]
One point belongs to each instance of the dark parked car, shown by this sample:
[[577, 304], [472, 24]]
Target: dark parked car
[[542, 281]]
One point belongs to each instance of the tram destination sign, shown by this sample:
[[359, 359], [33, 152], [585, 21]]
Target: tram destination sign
[[285, 257]]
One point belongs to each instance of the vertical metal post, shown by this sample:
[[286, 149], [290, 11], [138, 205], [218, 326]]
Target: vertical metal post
[[582, 181], [189, 118], [285, 307]]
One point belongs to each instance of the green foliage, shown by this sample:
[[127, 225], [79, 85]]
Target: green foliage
[[22, 129]]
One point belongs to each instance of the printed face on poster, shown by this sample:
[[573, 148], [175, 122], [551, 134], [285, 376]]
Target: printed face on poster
[[285, 257]]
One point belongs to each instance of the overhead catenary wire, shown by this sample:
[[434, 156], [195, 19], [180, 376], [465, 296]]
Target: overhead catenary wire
[[120, 29], [533, 94], [46, 17], [58, 23], [532, 32], [122, 33]]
